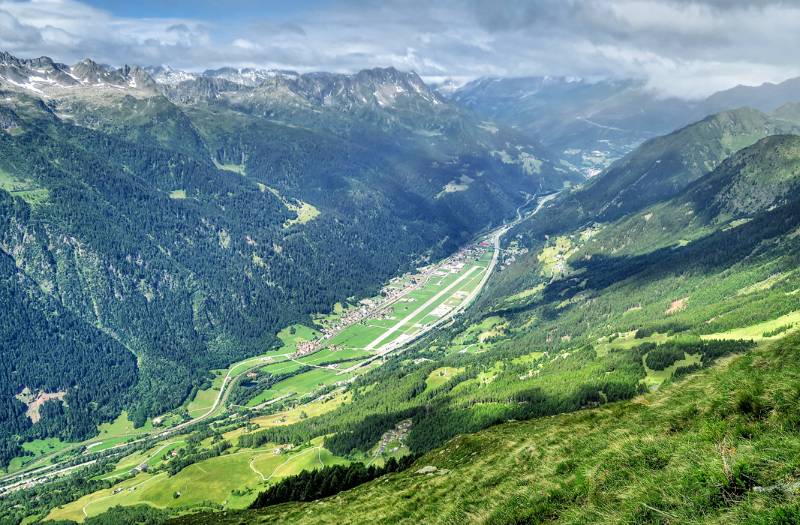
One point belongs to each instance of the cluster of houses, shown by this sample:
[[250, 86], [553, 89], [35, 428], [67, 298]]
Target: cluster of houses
[[280, 449], [307, 347], [377, 308], [398, 433], [511, 253]]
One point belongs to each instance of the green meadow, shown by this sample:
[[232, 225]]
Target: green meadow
[[231, 480]]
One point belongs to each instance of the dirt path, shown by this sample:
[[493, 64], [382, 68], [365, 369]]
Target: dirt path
[[133, 487], [250, 464]]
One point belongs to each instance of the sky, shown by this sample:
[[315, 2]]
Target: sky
[[686, 48]]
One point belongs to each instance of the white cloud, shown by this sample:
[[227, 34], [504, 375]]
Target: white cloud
[[243, 43], [13, 33], [681, 47]]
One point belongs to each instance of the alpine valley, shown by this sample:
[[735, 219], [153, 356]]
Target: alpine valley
[[257, 296]]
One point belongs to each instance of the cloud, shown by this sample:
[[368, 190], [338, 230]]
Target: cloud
[[680, 47], [13, 33]]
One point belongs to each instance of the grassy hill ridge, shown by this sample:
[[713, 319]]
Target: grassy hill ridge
[[718, 447], [657, 170]]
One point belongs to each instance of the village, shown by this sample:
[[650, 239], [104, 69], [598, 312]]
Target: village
[[511, 252], [379, 307]]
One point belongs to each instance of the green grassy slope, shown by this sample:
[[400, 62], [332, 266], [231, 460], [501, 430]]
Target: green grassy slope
[[756, 178], [721, 278], [657, 170], [700, 201], [718, 447]]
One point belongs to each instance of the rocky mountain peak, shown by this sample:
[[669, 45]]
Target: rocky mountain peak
[[33, 74], [44, 77], [376, 88], [90, 72]]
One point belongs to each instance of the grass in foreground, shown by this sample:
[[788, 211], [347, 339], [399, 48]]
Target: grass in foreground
[[723, 446]]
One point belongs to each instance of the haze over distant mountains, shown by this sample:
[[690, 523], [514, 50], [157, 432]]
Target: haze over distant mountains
[[590, 123], [586, 124], [173, 243]]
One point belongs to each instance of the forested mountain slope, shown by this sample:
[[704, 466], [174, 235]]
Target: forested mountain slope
[[607, 312], [47, 345], [754, 180], [189, 223]]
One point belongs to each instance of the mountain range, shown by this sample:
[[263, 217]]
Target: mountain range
[[592, 123], [186, 222], [169, 239]]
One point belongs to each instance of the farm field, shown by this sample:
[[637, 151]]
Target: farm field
[[301, 384], [441, 376], [418, 309], [204, 399], [333, 355], [44, 446], [285, 366], [779, 327], [231, 480], [37, 449], [295, 414], [122, 426]]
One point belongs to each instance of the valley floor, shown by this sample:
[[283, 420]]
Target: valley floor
[[668, 456], [323, 359]]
